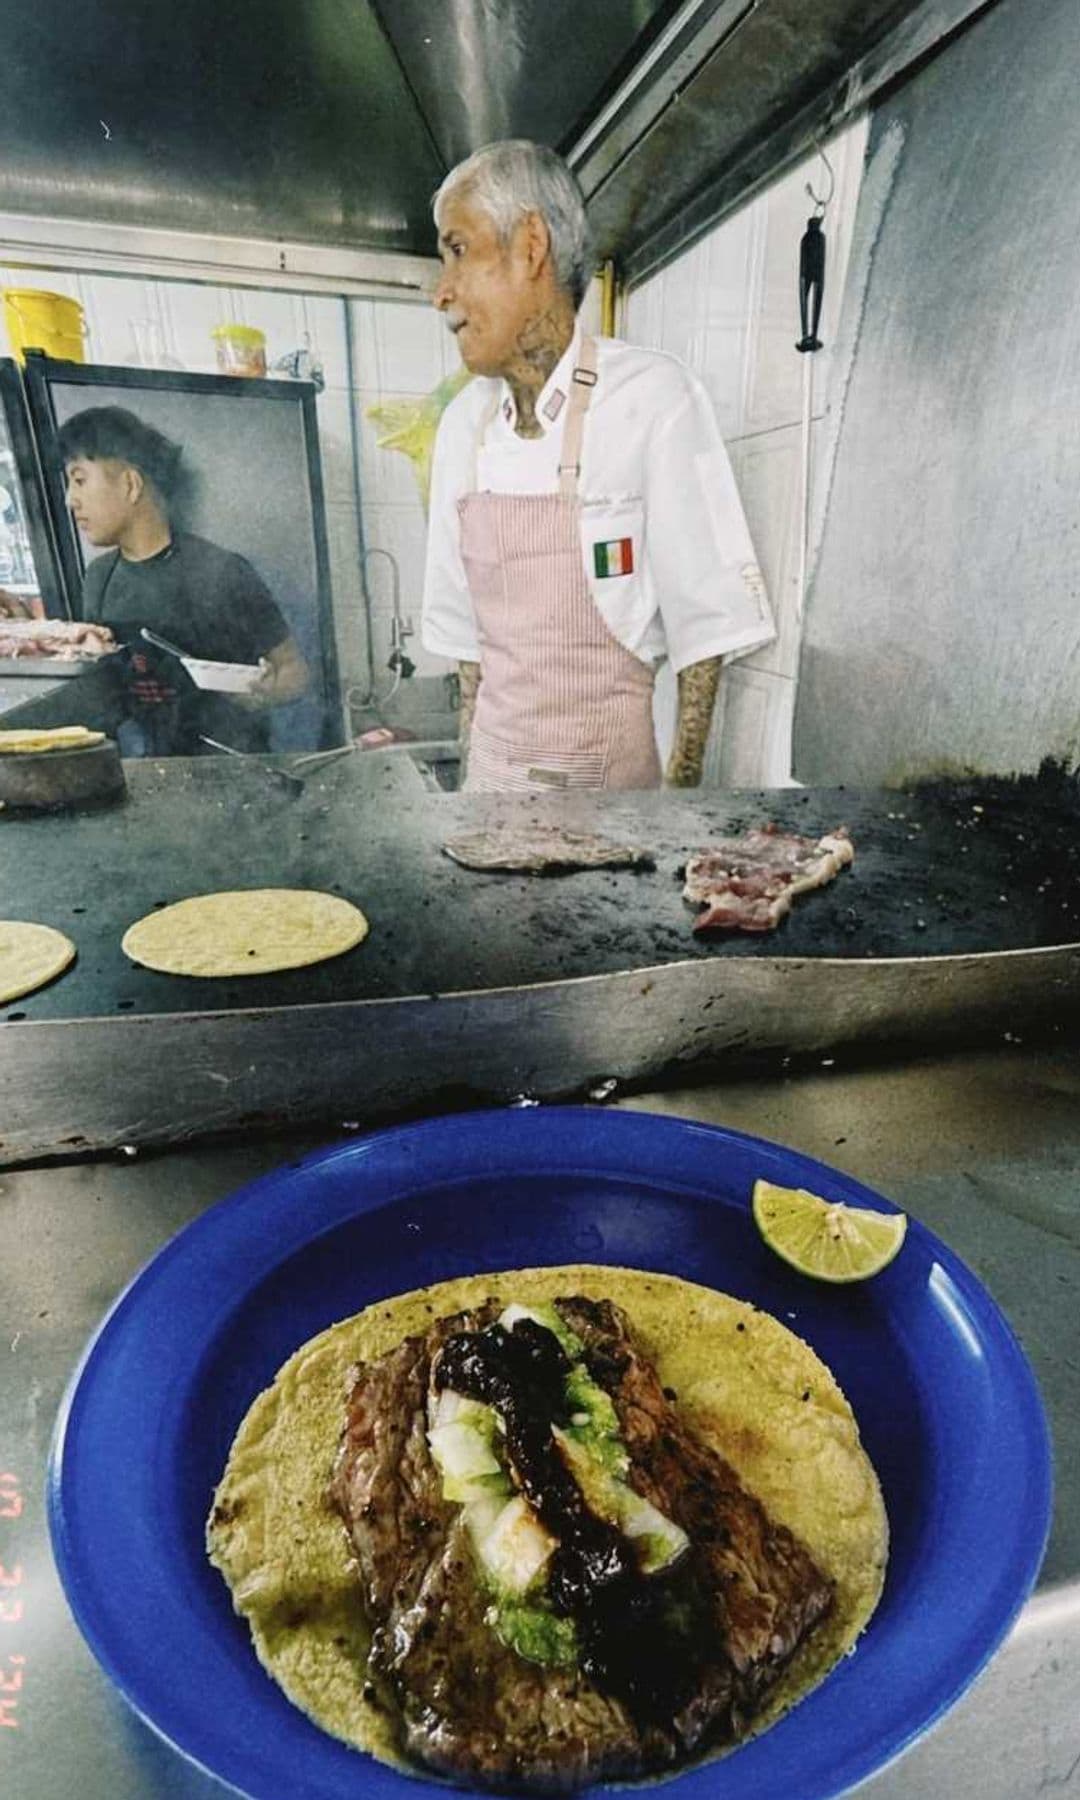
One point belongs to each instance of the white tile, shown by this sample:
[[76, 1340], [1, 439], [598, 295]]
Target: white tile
[[109, 304], [728, 253], [343, 545], [49, 281], [665, 707], [388, 476], [685, 310], [401, 531], [591, 307], [697, 309], [320, 320], [365, 372], [775, 389], [269, 312], [410, 347], [449, 354], [379, 472], [720, 363], [193, 310], [643, 313], [332, 409], [769, 478], [711, 763], [753, 748]]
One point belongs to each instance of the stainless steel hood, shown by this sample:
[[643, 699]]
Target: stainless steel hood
[[330, 125]]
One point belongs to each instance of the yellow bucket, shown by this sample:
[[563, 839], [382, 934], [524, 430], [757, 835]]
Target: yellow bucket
[[37, 320]]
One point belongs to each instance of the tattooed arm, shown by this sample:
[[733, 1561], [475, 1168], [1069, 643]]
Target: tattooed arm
[[697, 699], [469, 685]]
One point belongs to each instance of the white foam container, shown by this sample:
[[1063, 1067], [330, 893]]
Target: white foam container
[[222, 677]]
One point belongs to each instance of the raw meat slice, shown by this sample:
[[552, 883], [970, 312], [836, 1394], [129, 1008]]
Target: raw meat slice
[[748, 883], [64, 640]]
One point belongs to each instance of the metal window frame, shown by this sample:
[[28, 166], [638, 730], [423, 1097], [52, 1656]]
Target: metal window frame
[[43, 547]]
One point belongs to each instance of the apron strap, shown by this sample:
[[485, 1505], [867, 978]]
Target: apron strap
[[582, 383]]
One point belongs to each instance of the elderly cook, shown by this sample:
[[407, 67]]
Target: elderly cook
[[121, 479], [584, 520]]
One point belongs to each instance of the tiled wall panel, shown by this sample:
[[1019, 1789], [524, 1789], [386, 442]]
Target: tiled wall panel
[[729, 307]]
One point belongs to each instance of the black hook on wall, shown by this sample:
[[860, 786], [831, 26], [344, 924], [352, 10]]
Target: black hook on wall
[[812, 264]]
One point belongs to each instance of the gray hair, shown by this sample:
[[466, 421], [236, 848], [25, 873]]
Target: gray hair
[[516, 176]]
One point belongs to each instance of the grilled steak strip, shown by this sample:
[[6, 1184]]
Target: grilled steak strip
[[640, 1636], [766, 1592], [742, 1597]]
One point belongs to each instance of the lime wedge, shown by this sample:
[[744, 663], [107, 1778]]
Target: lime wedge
[[824, 1238]]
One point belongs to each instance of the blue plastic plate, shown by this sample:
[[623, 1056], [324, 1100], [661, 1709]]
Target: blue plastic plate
[[948, 1408]]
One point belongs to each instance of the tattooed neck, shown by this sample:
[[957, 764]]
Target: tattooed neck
[[539, 349]]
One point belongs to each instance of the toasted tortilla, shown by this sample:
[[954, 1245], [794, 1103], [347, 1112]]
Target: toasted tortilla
[[543, 850], [34, 742], [246, 931], [749, 1387], [30, 956]]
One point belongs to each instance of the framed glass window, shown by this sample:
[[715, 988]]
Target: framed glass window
[[248, 483]]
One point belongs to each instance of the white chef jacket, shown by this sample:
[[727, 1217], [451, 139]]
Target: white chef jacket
[[654, 471]]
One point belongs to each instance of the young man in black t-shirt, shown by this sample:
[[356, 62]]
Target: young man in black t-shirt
[[208, 601]]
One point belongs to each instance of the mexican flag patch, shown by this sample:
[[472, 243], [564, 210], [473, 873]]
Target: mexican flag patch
[[614, 558]]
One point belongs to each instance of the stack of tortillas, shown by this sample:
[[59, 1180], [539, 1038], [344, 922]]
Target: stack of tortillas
[[30, 956], [31, 740], [246, 931], [52, 767]]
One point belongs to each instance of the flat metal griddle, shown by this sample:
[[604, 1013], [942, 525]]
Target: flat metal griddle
[[950, 871], [961, 915]]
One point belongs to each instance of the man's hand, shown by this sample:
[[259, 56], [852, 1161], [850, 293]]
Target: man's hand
[[12, 607], [283, 677], [697, 701]]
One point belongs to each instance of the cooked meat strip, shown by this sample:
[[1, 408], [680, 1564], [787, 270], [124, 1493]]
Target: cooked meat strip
[[766, 1592], [542, 850], [706, 1639], [748, 883]]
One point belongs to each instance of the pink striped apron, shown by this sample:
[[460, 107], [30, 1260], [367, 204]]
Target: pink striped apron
[[562, 704]]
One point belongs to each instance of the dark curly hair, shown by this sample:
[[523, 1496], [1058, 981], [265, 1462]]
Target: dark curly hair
[[112, 431]]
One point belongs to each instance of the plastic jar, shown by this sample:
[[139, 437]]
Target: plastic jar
[[240, 349]]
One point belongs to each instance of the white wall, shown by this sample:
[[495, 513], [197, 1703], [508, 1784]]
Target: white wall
[[729, 307]]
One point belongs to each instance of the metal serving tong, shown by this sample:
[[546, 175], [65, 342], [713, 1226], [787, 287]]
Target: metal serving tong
[[281, 777], [317, 759], [164, 644]]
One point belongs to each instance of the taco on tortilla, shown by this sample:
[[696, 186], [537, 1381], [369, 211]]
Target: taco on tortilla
[[551, 1526]]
